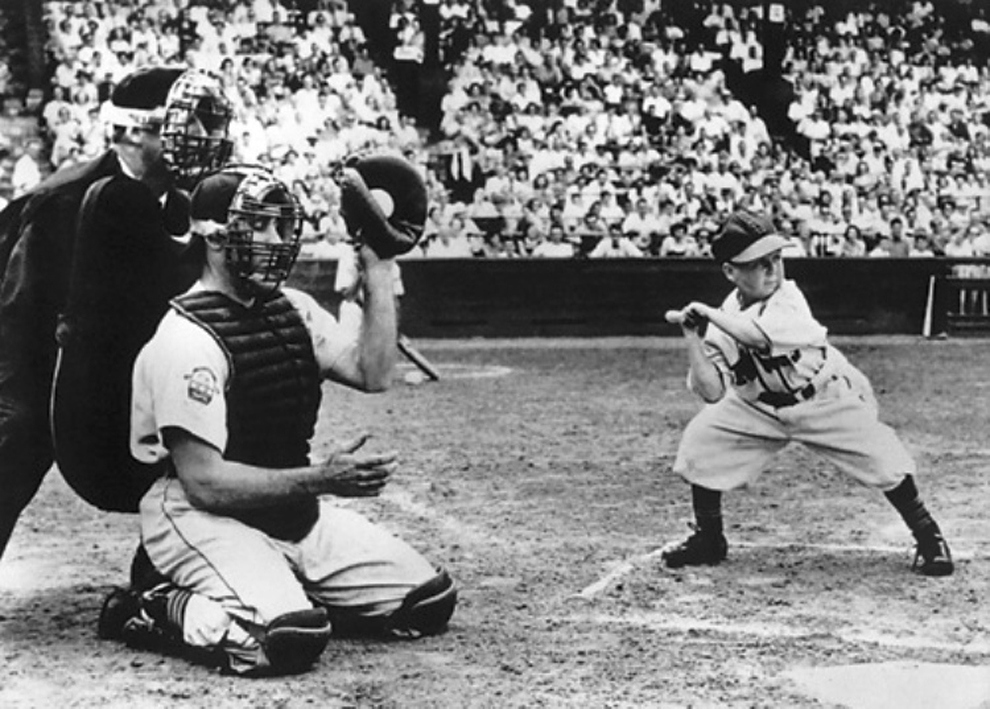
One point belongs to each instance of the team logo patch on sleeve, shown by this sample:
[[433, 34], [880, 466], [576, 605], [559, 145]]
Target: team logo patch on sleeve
[[202, 385]]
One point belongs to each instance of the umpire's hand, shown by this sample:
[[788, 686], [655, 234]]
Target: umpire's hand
[[352, 474]]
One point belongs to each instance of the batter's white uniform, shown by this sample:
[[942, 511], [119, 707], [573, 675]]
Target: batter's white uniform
[[236, 570], [802, 389]]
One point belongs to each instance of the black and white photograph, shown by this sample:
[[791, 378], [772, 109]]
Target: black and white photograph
[[490, 354]]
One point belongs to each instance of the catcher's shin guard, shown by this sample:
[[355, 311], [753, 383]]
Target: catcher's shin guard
[[294, 641], [425, 610]]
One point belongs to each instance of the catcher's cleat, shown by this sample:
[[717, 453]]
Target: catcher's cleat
[[119, 607], [141, 619], [932, 557], [700, 549]]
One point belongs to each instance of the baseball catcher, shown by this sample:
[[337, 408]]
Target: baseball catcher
[[763, 364], [248, 562]]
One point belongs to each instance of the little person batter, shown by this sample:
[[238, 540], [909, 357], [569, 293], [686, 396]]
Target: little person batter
[[765, 368]]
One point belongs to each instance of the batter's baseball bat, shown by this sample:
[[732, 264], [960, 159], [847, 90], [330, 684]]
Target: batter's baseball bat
[[417, 358]]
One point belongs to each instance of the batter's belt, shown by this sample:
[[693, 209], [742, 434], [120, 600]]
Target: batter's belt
[[784, 399]]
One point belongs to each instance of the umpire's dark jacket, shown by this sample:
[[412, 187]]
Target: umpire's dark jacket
[[64, 277]]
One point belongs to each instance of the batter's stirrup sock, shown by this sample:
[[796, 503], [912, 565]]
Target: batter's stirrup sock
[[707, 545], [932, 556], [907, 502], [707, 506]]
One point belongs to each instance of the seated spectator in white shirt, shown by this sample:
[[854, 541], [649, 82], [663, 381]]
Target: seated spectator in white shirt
[[642, 220], [555, 245], [451, 241], [679, 244], [853, 244], [27, 169], [575, 207], [921, 246], [616, 245], [610, 209], [979, 237]]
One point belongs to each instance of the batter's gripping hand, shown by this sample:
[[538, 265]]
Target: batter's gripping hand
[[383, 201], [353, 474], [690, 318]]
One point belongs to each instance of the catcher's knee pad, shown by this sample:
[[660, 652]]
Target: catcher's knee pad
[[426, 609], [293, 641]]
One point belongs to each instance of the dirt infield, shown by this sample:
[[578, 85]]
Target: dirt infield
[[538, 473]]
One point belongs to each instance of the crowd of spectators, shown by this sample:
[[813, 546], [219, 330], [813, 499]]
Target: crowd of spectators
[[619, 123], [596, 128], [304, 90]]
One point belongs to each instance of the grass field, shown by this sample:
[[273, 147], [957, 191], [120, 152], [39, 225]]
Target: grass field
[[538, 473]]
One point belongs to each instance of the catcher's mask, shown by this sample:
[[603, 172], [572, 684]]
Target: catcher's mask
[[194, 129], [255, 217]]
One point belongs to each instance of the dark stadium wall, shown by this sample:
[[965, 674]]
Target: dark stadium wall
[[457, 298]]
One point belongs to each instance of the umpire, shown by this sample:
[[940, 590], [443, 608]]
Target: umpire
[[40, 241]]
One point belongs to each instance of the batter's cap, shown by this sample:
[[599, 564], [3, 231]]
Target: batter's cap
[[139, 99], [745, 237]]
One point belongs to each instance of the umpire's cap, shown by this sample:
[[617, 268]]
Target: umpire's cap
[[746, 236], [138, 100]]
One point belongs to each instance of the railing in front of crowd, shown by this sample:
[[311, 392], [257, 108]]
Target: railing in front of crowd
[[480, 297]]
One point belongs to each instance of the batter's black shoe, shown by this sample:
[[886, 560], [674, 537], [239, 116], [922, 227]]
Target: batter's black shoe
[[700, 549], [932, 557]]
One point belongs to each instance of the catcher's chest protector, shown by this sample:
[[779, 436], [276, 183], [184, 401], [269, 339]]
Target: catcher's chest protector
[[273, 394]]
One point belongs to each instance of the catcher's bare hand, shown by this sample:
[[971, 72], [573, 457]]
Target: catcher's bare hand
[[353, 474]]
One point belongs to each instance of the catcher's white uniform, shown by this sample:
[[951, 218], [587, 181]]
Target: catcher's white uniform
[[803, 389], [235, 570]]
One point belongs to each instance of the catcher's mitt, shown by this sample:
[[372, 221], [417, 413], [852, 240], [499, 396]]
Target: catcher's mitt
[[383, 201]]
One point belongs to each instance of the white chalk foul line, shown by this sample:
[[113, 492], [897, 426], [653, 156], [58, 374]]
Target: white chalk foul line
[[770, 631], [880, 549], [626, 567], [462, 371], [404, 500], [617, 573]]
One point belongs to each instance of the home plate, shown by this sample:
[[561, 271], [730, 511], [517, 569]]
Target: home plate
[[904, 685]]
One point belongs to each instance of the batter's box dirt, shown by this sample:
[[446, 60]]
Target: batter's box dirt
[[547, 493]]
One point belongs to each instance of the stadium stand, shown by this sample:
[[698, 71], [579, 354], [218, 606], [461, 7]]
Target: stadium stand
[[583, 114]]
